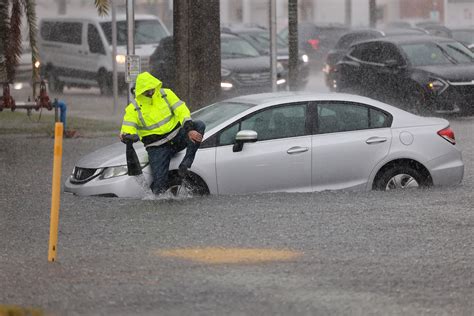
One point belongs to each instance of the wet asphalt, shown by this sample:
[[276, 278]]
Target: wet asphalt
[[362, 253]]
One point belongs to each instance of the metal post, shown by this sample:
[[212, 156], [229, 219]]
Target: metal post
[[372, 13], [293, 44], [114, 56], [348, 15], [130, 40], [273, 57]]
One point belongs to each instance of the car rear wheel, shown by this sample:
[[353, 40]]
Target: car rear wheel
[[55, 85], [105, 83], [400, 177]]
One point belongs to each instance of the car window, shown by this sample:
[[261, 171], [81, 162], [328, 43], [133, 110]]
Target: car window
[[273, 123], [94, 40], [377, 52], [65, 32], [146, 32], [220, 112], [336, 117], [425, 54], [234, 47]]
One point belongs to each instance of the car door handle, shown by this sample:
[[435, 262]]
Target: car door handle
[[297, 150], [376, 140]]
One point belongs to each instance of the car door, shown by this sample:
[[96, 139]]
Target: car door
[[280, 160], [349, 140], [95, 55]]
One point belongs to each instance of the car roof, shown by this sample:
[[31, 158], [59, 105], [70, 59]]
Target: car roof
[[107, 18], [411, 39], [243, 28]]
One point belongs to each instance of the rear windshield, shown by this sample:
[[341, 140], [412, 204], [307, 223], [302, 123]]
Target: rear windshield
[[426, 54], [146, 32], [464, 36]]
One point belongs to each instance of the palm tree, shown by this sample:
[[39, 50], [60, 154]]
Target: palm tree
[[11, 12]]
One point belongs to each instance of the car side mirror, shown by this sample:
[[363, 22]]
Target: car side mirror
[[242, 137]]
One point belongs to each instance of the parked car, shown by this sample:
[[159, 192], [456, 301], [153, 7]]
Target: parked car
[[353, 37], [78, 51], [24, 70], [316, 40], [260, 38], [292, 141], [428, 74], [465, 36], [243, 69]]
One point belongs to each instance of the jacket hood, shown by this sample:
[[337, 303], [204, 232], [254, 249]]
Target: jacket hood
[[145, 81]]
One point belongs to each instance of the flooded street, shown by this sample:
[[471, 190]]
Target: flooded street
[[372, 252]]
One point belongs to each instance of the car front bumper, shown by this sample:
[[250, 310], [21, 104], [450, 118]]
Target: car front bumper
[[121, 186]]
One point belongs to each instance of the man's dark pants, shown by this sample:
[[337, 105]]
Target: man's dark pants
[[160, 156]]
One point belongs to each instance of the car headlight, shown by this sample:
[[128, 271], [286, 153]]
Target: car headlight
[[112, 172], [120, 59], [304, 58], [280, 67], [437, 86], [37, 64], [225, 72]]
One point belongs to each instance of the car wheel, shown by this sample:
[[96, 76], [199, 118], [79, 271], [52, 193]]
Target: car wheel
[[105, 83], [193, 185], [400, 177], [55, 85]]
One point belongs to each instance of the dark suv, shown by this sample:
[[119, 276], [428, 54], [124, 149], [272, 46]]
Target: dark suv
[[243, 69], [353, 37], [316, 40], [426, 74], [260, 38]]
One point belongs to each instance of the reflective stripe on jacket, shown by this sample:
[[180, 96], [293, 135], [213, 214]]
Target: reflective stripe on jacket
[[157, 115]]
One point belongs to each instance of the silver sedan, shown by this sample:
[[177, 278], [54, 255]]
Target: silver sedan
[[293, 142]]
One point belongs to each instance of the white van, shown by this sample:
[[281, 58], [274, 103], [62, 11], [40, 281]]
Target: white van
[[77, 51]]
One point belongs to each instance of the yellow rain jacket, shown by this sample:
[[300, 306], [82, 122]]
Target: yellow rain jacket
[[156, 119]]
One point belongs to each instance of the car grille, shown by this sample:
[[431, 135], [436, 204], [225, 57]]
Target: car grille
[[82, 175], [252, 79], [458, 94]]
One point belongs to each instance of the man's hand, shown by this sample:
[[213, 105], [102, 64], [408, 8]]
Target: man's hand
[[194, 136]]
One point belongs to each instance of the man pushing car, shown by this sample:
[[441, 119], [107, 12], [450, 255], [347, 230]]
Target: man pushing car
[[163, 123]]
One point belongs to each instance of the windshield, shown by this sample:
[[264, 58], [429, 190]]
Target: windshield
[[146, 32], [262, 40], [217, 113], [426, 54], [234, 47]]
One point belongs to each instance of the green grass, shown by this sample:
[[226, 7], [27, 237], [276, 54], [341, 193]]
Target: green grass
[[43, 124]]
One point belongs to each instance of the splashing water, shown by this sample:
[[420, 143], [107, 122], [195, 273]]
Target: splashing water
[[176, 192]]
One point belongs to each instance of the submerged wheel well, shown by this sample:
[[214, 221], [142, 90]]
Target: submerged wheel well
[[201, 185], [405, 162]]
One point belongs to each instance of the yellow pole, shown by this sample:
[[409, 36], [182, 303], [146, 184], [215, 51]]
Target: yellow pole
[[58, 154]]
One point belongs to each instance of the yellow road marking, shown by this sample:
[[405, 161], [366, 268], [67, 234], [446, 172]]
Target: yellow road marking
[[13, 310], [217, 255]]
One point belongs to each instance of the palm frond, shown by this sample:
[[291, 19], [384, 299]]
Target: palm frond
[[4, 31], [102, 6], [30, 11], [13, 52]]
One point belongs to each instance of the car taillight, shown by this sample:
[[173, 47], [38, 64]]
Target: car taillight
[[448, 134], [314, 42]]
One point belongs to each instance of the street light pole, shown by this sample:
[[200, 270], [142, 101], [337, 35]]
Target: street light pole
[[114, 56], [293, 44], [273, 56], [130, 40]]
